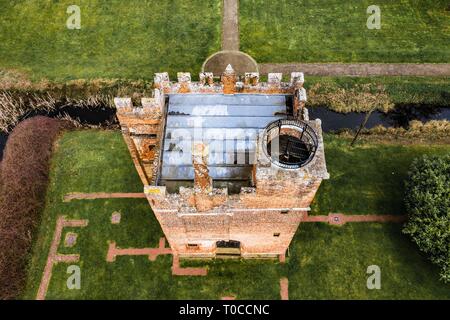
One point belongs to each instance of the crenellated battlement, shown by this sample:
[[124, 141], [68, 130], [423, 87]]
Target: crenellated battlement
[[230, 83], [153, 106]]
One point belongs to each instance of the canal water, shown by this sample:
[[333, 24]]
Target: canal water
[[98, 116], [399, 117], [331, 121], [3, 137]]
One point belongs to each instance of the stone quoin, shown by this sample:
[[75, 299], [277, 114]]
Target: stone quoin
[[229, 168]]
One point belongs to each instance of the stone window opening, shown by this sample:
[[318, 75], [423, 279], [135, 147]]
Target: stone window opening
[[284, 211], [193, 246], [277, 235]]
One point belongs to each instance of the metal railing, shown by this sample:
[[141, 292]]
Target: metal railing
[[296, 151]]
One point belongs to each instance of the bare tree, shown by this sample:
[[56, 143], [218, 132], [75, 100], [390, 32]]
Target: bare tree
[[365, 98], [371, 99]]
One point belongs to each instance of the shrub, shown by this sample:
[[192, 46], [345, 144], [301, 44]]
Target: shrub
[[428, 205], [23, 184]]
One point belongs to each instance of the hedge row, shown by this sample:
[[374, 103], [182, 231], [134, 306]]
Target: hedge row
[[24, 173]]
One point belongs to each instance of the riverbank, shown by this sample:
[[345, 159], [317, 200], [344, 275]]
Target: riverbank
[[90, 102], [415, 98]]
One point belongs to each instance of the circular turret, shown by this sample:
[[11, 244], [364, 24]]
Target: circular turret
[[290, 144]]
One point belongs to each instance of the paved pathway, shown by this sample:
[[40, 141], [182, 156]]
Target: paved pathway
[[340, 219], [332, 218], [102, 195], [152, 254], [179, 271], [284, 289], [230, 25], [54, 257], [231, 42], [359, 69]]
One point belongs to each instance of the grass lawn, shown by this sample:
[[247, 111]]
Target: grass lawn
[[127, 39], [336, 31], [331, 263], [326, 262], [368, 178]]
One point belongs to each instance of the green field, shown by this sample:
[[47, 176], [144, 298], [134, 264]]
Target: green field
[[118, 39], [335, 31], [368, 178], [133, 39], [325, 262]]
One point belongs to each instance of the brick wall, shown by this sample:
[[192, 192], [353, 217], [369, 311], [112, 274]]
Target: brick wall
[[263, 218]]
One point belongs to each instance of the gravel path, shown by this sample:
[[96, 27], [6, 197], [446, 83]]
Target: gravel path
[[359, 69], [230, 25], [231, 42]]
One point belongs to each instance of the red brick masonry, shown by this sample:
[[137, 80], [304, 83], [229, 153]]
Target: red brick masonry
[[178, 271], [152, 254], [341, 219], [54, 257], [102, 195], [284, 289]]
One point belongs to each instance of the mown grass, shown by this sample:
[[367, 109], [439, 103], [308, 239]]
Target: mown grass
[[368, 178], [86, 161], [331, 263], [326, 262], [118, 39], [336, 31]]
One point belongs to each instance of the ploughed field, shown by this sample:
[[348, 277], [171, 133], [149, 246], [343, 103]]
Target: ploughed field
[[325, 262]]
